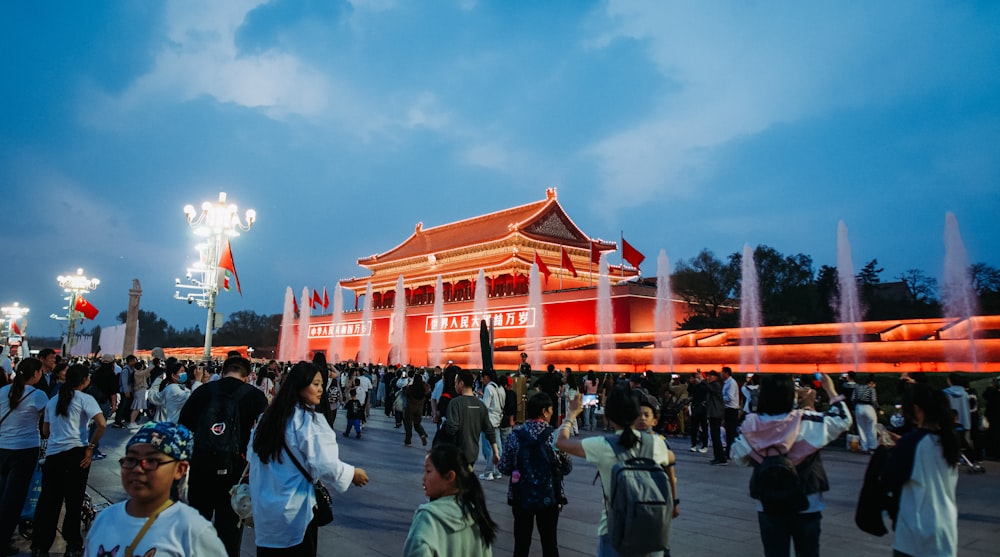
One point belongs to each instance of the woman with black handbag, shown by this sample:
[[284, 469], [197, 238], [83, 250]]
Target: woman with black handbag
[[293, 445]]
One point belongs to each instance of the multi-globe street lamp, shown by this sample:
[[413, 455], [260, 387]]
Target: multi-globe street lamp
[[76, 286], [216, 222], [11, 315]]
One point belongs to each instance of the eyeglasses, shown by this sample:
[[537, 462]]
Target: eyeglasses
[[147, 464]]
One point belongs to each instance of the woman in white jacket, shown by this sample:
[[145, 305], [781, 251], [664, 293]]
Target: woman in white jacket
[[170, 398], [283, 499]]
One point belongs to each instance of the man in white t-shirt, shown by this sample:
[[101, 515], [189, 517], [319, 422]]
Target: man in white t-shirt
[[363, 391], [493, 398], [155, 457]]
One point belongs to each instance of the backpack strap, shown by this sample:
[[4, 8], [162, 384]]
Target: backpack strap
[[645, 446]]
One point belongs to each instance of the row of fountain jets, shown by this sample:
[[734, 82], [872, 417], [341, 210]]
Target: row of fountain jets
[[958, 294]]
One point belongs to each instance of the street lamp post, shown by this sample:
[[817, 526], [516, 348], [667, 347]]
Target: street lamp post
[[11, 314], [76, 286], [216, 222]]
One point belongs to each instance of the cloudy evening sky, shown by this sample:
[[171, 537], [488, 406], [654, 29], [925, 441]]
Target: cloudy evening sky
[[687, 125]]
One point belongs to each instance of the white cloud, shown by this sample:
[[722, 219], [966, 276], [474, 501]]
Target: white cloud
[[488, 155], [740, 70]]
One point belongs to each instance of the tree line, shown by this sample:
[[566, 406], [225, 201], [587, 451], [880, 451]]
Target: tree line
[[792, 292]]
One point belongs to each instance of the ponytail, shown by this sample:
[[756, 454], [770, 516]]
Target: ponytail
[[25, 371], [75, 377], [623, 410], [448, 458]]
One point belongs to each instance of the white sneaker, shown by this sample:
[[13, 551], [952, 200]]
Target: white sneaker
[[487, 476], [703, 450], [133, 426]]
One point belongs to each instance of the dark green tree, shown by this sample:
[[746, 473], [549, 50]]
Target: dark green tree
[[707, 283], [986, 280], [153, 330], [787, 292], [247, 328]]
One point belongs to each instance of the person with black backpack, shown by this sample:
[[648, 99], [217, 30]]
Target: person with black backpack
[[221, 414], [536, 493], [782, 444], [638, 500]]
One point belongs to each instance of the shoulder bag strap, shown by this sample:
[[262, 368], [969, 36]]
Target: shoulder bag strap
[[5, 416], [130, 548], [295, 461]]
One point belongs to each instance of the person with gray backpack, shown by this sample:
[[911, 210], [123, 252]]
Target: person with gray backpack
[[638, 500]]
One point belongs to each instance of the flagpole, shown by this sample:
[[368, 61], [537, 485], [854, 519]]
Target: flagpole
[[623, 253], [591, 270]]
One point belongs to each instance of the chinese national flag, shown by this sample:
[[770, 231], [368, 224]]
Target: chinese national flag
[[326, 299], [595, 254], [228, 267], [542, 267], [631, 254], [295, 306], [316, 300], [567, 263], [86, 308]]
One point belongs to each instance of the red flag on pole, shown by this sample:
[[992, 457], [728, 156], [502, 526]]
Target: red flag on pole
[[595, 253], [227, 268], [316, 300], [14, 328], [542, 267], [86, 308], [326, 299], [295, 306], [631, 254], [567, 263]]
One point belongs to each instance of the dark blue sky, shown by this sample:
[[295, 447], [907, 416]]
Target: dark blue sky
[[344, 124]]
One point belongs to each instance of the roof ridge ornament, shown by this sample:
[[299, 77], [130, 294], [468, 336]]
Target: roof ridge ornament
[[550, 193]]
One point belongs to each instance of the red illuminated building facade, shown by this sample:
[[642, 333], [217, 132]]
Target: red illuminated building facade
[[504, 244]]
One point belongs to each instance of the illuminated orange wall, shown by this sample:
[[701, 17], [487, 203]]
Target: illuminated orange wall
[[892, 346]]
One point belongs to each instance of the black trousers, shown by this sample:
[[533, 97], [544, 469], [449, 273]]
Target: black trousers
[[209, 494], [124, 412], [16, 469], [548, 523], [715, 429], [307, 548], [698, 424], [411, 421], [732, 420], [62, 481]]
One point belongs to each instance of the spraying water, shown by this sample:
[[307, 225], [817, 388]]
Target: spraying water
[[663, 319], [365, 351], [302, 346], [479, 307], [849, 308], [534, 334], [338, 317], [397, 330], [437, 337], [957, 292], [750, 314], [605, 318], [287, 348]]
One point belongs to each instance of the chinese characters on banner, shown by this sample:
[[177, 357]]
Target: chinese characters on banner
[[326, 330], [508, 318]]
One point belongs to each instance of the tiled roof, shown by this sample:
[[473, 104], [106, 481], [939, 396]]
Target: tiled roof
[[543, 220]]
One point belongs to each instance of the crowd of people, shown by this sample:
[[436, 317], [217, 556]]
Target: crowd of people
[[199, 430]]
